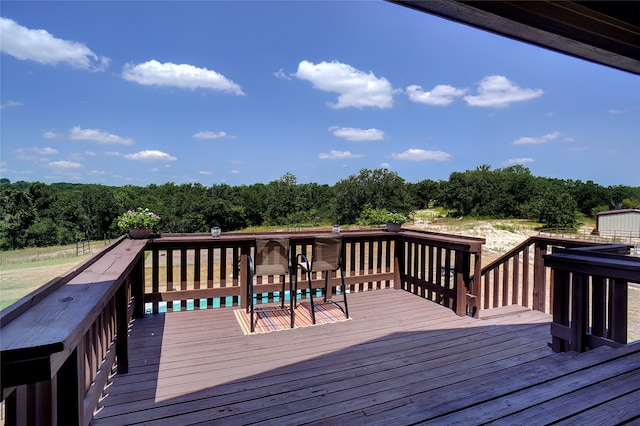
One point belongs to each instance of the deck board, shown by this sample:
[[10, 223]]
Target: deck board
[[399, 360]]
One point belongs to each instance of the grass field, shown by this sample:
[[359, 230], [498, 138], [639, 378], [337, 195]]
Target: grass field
[[22, 271]]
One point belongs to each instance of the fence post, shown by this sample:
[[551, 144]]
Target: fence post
[[539, 278]]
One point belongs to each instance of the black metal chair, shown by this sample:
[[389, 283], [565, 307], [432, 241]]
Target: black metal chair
[[326, 256], [271, 258]]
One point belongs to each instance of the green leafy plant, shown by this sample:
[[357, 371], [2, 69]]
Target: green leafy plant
[[140, 218], [398, 218]]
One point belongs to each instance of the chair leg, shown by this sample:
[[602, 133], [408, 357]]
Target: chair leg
[[291, 306], [250, 302], [344, 294], [313, 308], [326, 285]]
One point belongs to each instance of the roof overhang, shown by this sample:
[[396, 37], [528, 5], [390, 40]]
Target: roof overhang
[[604, 32]]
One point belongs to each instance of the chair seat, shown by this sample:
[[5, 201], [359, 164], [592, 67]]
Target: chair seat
[[262, 270], [320, 266]]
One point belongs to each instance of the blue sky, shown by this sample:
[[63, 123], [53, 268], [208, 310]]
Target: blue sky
[[243, 92]]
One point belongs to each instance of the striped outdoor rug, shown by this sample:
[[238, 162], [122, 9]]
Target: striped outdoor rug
[[271, 318]]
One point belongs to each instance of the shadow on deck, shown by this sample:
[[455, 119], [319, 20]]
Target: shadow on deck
[[401, 360]]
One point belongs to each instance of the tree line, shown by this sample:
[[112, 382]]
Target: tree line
[[37, 214]]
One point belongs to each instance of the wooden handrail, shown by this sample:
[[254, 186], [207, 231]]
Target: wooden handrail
[[76, 348], [590, 297], [59, 351], [515, 279]]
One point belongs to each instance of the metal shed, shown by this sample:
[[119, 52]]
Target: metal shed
[[619, 223]]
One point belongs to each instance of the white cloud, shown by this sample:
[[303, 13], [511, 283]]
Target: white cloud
[[338, 155], [619, 111], [150, 155], [353, 134], [205, 172], [65, 165], [441, 95], [179, 75], [36, 150], [281, 75], [498, 91], [385, 165], [415, 154], [210, 135], [516, 161], [36, 154], [235, 172], [536, 141], [355, 88], [10, 104], [40, 46], [53, 135], [95, 135]]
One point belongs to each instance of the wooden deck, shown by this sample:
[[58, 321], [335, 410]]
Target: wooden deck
[[400, 360]]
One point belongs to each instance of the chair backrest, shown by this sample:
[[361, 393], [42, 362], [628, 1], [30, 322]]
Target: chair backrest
[[272, 251], [326, 253]]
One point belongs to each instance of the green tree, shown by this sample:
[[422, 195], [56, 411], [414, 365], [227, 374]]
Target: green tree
[[380, 188]]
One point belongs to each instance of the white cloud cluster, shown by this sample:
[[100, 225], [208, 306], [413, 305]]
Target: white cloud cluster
[[10, 104], [355, 88], [415, 154], [353, 134], [63, 164], [338, 155], [92, 135], [42, 47], [441, 95], [536, 141], [517, 161], [210, 135], [179, 75], [150, 155], [498, 91]]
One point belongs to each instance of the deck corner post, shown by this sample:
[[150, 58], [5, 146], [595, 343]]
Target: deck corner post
[[539, 278], [398, 259], [619, 311], [244, 277], [122, 333], [137, 279]]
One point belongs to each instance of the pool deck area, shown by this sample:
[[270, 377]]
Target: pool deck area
[[400, 359]]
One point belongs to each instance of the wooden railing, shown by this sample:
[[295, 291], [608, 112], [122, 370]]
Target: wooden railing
[[439, 268], [519, 277], [60, 343], [590, 296], [198, 272]]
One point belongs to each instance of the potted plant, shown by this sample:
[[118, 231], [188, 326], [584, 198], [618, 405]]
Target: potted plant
[[138, 223], [395, 221]]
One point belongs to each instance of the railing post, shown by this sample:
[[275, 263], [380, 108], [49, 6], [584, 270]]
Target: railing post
[[137, 281], [578, 312], [398, 259], [244, 277], [122, 336], [559, 327], [619, 311], [463, 263], [539, 278]]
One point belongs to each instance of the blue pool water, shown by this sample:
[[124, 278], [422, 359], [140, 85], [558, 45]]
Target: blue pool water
[[219, 302]]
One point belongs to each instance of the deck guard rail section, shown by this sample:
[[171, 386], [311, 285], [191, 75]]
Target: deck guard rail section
[[519, 277], [57, 354], [590, 298], [438, 268], [205, 272]]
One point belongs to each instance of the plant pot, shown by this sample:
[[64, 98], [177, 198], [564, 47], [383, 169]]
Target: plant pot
[[139, 233], [393, 227]]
